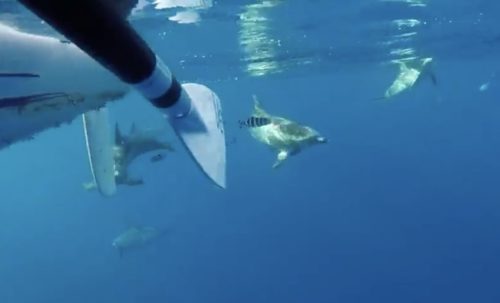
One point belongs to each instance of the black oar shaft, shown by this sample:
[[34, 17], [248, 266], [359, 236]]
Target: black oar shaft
[[99, 29]]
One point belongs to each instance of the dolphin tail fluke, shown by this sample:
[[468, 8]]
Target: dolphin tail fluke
[[197, 120]]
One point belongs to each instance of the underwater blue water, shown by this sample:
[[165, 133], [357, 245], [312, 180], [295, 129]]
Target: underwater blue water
[[401, 205]]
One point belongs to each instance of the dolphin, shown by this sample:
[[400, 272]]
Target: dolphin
[[282, 135], [410, 73], [136, 237], [127, 148]]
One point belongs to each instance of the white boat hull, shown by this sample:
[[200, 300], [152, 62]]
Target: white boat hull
[[45, 82]]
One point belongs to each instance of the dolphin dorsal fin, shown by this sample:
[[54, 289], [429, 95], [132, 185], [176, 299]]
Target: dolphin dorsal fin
[[403, 67], [258, 111]]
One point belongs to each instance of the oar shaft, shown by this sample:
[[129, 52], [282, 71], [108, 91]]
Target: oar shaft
[[99, 29]]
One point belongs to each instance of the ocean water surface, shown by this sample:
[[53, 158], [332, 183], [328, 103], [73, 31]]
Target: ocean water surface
[[401, 205]]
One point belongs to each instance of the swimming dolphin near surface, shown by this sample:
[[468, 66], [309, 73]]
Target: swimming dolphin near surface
[[127, 148], [45, 82], [285, 136], [136, 237], [410, 73]]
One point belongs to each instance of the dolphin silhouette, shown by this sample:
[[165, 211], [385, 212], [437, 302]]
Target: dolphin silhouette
[[128, 148], [136, 237]]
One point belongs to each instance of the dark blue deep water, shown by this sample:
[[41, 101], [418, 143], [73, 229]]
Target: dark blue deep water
[[401, 205]]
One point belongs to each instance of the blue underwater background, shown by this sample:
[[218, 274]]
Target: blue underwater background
[[401, 205]]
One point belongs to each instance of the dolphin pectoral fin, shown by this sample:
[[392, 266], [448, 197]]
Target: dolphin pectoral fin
[[282, 156]]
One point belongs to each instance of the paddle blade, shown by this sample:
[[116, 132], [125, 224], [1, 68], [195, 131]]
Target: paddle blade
[[201, 130], [100, 150]]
